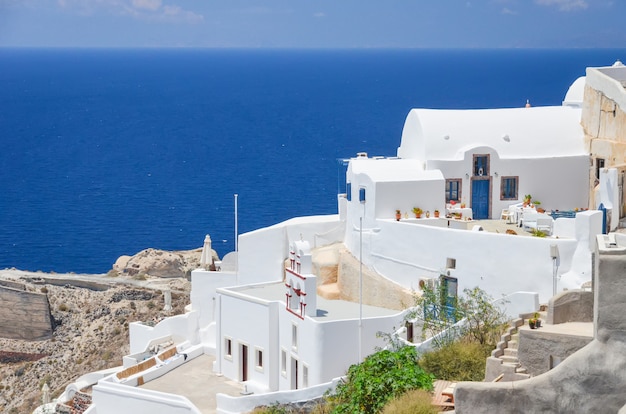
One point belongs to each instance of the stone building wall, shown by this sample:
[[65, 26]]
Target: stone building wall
[[25, 315], [604, 124]]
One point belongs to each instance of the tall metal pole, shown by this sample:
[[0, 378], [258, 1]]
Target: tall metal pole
[[360, 289], [236, 244], [236, 224]]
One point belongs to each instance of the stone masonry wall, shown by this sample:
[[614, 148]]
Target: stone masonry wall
[[25, 315], [604, 125], [571, 306]]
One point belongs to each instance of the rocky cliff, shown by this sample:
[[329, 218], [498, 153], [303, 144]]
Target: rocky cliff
[[160, 263]]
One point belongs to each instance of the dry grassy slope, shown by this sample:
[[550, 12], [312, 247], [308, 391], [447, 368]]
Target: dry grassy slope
[[92, 335]]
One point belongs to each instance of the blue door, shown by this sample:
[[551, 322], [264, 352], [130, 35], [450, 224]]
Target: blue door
[[480, 198]]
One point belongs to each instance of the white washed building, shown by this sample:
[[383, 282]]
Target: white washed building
[[268, 328]]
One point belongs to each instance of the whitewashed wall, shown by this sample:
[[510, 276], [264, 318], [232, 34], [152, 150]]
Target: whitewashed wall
[[251, 322], [560, 183], [498, 263], [203, 292], [109, 397], [427, 195], [262, 252], [329, 348], [179, 327]]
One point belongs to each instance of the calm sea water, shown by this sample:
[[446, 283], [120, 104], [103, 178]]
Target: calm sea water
[[108, 152]]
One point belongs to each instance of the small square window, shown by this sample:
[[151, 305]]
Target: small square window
[[599, 166], [362, 195], [453, 190], [258, 353], [481, 165], [228, 348], [283, 362], [508, 188], [294, 337]]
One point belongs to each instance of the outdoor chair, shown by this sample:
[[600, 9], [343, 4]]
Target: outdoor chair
[[506, 215]]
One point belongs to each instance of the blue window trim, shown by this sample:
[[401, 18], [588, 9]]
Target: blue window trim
[[509, 186], [349, 191], [450, 191], [362, 194]]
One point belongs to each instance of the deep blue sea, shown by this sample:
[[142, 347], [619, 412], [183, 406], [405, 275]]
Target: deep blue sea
[[108, 152]]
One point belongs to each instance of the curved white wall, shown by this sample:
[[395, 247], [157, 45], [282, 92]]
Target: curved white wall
[[498, 263]]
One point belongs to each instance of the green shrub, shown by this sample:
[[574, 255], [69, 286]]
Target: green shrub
[[272, 409], [379, 378], [411, 402], [485, 321], [457, 361], [63, 307]]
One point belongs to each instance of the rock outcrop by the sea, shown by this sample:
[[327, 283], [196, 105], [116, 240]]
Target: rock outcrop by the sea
[[160, 263]]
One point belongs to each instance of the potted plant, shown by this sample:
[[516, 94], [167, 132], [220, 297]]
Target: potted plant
[[527, 199], [398, 215], [534, 322], [436, 212], [537, 320], [418, 212]]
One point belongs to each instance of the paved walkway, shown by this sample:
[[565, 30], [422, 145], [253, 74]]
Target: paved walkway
[[500, 226], [196, 381]]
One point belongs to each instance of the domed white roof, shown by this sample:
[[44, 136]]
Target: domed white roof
[[549, 131], [575, 93]]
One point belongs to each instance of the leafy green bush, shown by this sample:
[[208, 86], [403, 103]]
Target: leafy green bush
[[272, 409], [457, 361], [485, 321], [411, 402], [379, 378]]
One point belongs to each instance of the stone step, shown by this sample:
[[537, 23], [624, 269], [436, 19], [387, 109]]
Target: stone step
[[509, 359], [512, 344], [521, 370], [510, 352], [509, 367]]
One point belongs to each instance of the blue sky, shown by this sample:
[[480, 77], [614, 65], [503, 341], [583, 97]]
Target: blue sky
[[314, 23]]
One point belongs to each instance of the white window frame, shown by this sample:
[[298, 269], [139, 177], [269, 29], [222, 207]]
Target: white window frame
[[294, 337], [305, 376], [258, 358], [283, 362], [228, 345]]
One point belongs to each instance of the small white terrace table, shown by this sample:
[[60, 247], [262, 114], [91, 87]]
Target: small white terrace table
[[465, 212]]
